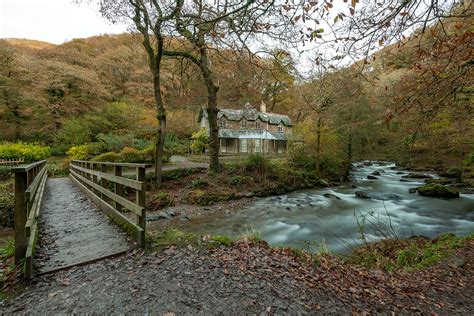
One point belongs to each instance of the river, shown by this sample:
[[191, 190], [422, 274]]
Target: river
[[309, 219]]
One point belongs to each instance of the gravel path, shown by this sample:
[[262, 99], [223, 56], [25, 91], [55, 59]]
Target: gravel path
[[73, 229], [246, 279], [188, 281]]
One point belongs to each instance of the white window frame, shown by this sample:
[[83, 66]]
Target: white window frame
[[222, 123]]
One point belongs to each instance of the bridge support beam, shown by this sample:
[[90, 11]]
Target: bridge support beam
[[20, 215]]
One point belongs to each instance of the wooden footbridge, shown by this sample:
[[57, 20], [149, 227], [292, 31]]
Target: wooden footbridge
[[61, 222]]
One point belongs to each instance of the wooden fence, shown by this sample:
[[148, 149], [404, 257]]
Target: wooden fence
[[106, 186], [30, 181], [11, 162]]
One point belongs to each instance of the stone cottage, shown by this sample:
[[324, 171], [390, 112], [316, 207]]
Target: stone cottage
[[250, 131]]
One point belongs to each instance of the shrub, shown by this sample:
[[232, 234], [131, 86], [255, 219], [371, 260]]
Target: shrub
[[141, 144], [5, 173], [29, 152], [74, 132], [94, 149], [470, 159], [233, 167], [78, 152], [240, 180], [301, 160], [200, 141], [256, 162], [331, 167], [175, 146], [162, 199], [110, 156], [200, 183], [113, 142], [7, 204], [148, 154], [58, 169], [129, 154]]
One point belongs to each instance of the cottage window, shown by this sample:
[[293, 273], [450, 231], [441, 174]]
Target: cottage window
[[243, 145], [222, 123], [258, 145], [258, 125], [243, 123], [280, 128]]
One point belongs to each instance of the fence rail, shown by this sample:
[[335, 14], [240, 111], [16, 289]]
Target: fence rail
[[11, 162], [106, 186], [30, 181]]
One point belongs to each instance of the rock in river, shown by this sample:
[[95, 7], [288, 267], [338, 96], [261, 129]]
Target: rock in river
[[371, 177], [417, 176], [438, 190], [331, 196], [381, 197]]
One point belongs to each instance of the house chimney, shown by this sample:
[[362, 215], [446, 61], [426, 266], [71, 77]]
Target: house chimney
[[263, 107]]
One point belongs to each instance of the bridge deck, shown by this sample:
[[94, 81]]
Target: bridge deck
[[73, 230]]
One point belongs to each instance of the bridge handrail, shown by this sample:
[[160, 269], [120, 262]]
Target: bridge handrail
[[94, 179], [30, 181], [120, 164]]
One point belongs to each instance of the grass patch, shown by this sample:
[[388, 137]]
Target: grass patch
[[171, 237], [6, 260], [253, 235], [217, 241], [408, 254], [8, 250]]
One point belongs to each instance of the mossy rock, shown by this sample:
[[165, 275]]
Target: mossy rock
[[438, 190], [452, 173], [417, 176], [442, 181]]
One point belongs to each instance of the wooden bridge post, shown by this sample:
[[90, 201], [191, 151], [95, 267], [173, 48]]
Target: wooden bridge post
[[95, 167], [20, 214], [103, 181], [118, 188], [140, 196]]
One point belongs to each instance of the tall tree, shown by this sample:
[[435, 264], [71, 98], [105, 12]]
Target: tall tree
[[150, 18]]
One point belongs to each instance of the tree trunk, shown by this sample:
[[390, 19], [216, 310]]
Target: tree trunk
[[211, 110], [160, 140], [349, 157], [318, 148]]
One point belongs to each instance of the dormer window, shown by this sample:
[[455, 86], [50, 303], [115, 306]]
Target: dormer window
[[222, 123], [258, 124], [280, 128], [243, 123]]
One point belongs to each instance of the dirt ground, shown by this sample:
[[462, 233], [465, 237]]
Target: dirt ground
[[247, 278]]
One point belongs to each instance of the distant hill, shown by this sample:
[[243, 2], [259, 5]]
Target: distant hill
[[34, 44]]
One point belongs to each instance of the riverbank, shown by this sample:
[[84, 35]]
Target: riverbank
[[205, 276], [383, 206], [190, 192]]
